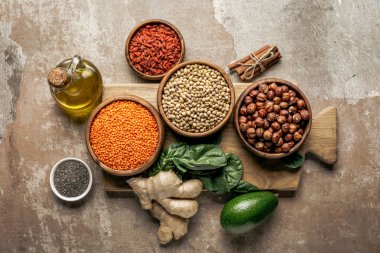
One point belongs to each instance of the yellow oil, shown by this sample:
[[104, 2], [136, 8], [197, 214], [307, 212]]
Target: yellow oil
[[80, 97]]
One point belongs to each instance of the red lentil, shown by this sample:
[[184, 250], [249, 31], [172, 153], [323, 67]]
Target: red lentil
[[154, 49], [124, 135]]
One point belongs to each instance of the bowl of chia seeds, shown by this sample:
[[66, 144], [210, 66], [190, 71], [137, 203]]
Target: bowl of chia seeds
[[71, 179]]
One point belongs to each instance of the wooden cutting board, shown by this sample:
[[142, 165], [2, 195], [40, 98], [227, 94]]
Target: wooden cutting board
[[265, 174]]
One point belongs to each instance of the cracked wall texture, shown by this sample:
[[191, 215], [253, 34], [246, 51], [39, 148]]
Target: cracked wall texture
[[330, 49]]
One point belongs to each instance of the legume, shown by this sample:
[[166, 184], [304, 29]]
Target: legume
[[124, 135], [196, 98], [154, 49]]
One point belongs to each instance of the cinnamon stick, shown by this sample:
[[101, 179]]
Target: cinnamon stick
[[241, 69], [276, 57], [237, 63]]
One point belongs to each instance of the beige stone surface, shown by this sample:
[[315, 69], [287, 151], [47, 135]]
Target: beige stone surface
[[330, 49]]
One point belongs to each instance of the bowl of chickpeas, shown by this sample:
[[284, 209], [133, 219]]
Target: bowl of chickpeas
[[272, 118]]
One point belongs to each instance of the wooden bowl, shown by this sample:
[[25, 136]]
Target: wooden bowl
[[240, 102], [161, 135], [132, 33], [171, 125]]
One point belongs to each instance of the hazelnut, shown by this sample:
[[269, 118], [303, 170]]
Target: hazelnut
[[291, 143], [280, 142], [284, 113], [243, 127], [285, 127], [305, 115], [288, 137], [250, 123], [259, 122], [261, 97], [276, 100], [248, 100], [259, 132], [292, 100], [278, 150], [263, 88], [276, 126], [272, 86], [251, 133], [281, 119], [251, 108], [251, 141], [260, 105], [271, 116], [269, 106], [276, 137], [262, 113], [249, 117], [243, 119], [285, 97], [243, 110], [268, 144], [284, 105], [255, 115], [266, 124], [267, 135], [289, 119], [278, 91], [292, 93], [276, 108], [292, 128], [297, 137], [284, 88], [300, 131], [297, 118], [270, 95], [300, 103], [259, 145], [292, 110], [286, 147], [254, 93]]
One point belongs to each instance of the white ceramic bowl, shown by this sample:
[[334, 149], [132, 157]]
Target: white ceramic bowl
[[70, 199]]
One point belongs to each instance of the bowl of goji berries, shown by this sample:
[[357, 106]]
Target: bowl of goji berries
[[125, 135], [153, 48]]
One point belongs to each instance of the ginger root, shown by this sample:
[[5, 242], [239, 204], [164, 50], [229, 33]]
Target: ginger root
[[174, 201]]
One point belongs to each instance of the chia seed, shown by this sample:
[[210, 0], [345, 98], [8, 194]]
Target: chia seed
[[71, 178]]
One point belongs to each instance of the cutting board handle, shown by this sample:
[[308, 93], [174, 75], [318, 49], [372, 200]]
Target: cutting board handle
[[322, 140]]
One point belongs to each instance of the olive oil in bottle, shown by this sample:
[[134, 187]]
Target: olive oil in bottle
[[76, 85]]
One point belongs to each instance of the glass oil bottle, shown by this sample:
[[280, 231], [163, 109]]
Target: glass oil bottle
[[77, 87]]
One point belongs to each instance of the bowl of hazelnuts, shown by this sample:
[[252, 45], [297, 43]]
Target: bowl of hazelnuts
[[272, 118]]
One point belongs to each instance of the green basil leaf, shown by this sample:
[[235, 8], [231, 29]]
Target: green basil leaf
[[294, 161], [226, 178], [201, 157], [244, 187], [165, 161]]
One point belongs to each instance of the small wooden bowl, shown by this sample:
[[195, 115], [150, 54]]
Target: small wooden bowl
[[240, 102], [132, 33], [171, 125], [161, 135]]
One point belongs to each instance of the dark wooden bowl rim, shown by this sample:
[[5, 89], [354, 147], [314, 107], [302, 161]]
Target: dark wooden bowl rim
[[161, 135], [239, 104], [132, 33], [171, 125]]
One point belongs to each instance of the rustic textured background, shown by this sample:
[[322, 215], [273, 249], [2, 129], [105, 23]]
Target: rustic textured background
[[330, 48]]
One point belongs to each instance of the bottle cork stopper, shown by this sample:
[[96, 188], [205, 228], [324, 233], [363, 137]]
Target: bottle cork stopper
[[58, 77]]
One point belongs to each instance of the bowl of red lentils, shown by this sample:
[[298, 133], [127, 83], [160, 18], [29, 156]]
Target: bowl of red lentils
[[153, 48], [124, 135]]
